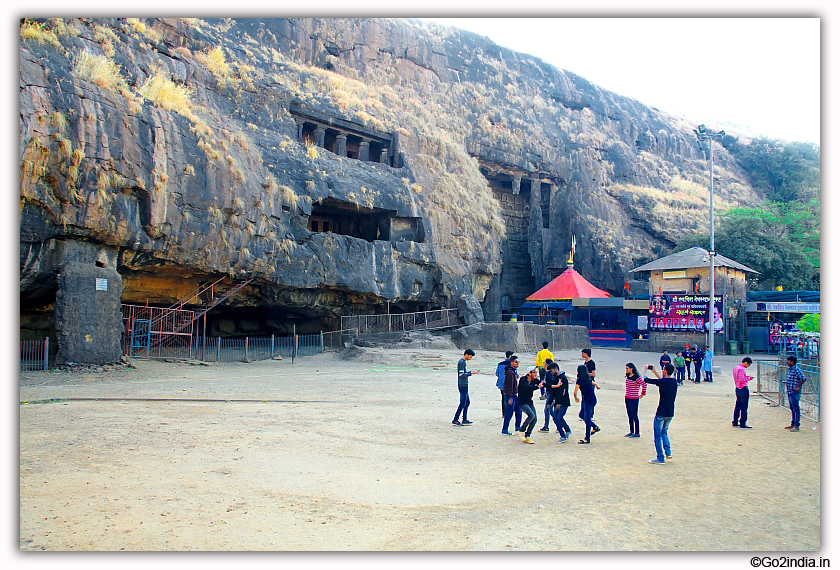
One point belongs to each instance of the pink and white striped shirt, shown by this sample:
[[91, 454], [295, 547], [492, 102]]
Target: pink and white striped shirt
[[635, 387]]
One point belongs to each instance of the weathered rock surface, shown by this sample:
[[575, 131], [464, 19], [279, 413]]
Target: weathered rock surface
[[480, 159]]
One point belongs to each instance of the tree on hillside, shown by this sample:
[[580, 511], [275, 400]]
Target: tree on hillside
[[779, 261], [783, 171]]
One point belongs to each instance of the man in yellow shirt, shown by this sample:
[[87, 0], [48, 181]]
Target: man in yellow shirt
[[542, 356]]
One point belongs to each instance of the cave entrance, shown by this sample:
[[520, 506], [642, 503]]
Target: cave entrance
[[370, 224]]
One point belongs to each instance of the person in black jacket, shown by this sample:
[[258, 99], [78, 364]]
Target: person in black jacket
[[525, 391], [510, 390], [562, 402], [664, 412]]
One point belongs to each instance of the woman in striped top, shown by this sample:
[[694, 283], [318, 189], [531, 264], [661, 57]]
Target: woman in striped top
[[636, 387]]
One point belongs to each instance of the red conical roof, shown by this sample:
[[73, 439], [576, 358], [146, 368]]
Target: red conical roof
[[569, 285]]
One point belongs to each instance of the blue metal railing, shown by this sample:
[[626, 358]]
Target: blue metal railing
[[34, 355]]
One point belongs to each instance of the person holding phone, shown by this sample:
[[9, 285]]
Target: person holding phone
[[464, 388], [664, 412]]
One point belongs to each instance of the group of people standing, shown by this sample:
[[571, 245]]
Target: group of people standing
[[683, 361], [517, 397], [517, 393]]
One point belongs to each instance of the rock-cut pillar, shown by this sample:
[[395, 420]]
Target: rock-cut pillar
[[364, 151], [319, 137], [341, 145]]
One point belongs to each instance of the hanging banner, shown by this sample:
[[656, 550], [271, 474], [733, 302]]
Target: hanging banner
[[688, 313]]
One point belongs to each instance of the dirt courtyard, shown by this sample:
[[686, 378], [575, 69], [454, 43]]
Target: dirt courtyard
[[336, 455]]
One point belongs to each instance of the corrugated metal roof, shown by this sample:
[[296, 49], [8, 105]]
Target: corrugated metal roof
[[689, 258]]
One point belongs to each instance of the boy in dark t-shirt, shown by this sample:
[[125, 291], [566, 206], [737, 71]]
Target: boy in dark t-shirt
[[667, 385], [664, 359]]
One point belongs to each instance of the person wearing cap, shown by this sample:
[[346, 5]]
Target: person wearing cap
[[687, 354], [511, 390], [525, 391]]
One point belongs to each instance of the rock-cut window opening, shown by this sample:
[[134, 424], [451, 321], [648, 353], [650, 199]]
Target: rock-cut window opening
[[370, 224]]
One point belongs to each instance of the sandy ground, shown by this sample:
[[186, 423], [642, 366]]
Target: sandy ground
[[337, 455]]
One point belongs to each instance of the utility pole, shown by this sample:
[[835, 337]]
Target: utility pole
[[705, 135]]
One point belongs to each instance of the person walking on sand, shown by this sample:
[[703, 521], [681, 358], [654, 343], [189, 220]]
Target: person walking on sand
[[547, 385], [463, 388], [511, 395], [708, 355], [561, 400], [585, 386], [527, 385], [664, 412], [586, 354], [500, 377], [542, 356], [742, 393], [795, 380], [634, 389]]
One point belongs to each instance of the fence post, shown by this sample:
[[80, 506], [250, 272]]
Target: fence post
[[46, 354], [322, 341], [218, 348], [246, 349], [271, 355], [295, 339]]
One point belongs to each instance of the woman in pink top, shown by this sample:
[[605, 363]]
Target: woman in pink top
[[636, 387]]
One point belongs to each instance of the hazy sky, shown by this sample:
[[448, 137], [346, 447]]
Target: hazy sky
[[759, 73]]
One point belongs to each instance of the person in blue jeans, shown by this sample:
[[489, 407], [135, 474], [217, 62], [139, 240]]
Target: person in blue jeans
[[511, 393], [561, 400], [464, 388], [795, 380], [664, 412], [585, 386]]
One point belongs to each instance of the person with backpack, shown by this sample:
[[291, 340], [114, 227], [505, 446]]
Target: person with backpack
[[679, 365], [500, 377]]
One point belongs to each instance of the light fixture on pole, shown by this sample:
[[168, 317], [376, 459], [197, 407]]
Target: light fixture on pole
[[703, 135]]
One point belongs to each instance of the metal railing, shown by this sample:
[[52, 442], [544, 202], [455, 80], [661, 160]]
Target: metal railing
[[239, 349], [156, 332], [770, 383], [375, 324], [337, 340], [34, 355]]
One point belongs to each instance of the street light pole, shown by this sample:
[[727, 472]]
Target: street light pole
[[704, 135]]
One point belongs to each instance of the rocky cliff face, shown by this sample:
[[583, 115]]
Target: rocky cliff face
[[340, 162]]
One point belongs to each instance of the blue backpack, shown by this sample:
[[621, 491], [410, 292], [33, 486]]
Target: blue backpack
[[500, 374]]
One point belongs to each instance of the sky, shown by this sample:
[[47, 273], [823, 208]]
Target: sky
[[757, 76]]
